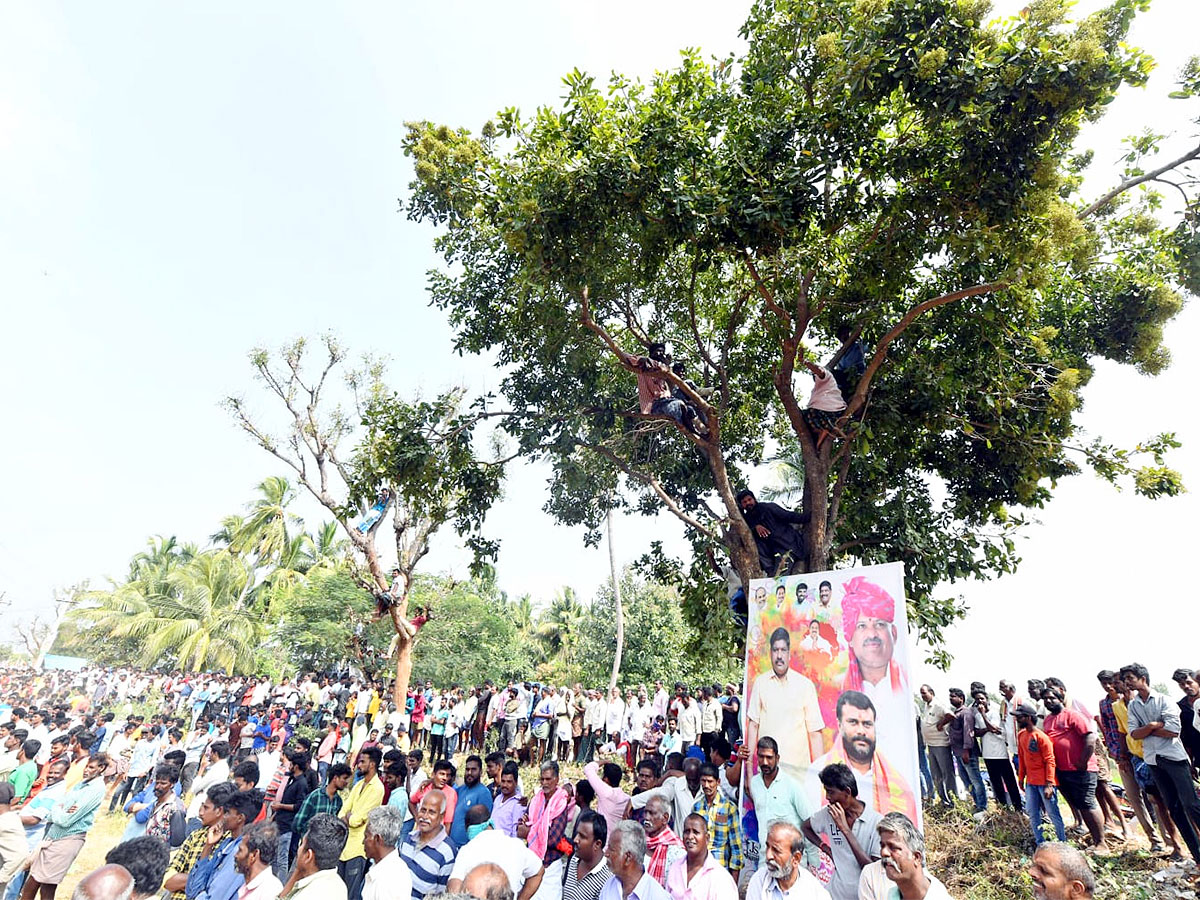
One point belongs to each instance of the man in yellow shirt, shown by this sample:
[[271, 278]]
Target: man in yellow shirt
[[365, 796], [784, 706]]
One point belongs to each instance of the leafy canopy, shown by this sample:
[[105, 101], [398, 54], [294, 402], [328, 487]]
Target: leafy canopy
[[899, 167]]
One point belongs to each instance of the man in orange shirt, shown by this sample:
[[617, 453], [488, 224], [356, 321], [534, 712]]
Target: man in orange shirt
[[1036, 774]]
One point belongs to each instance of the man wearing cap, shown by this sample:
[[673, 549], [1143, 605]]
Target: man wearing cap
[[868, 625], [1036, 773]]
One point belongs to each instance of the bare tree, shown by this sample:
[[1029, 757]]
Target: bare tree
[[418, 452]]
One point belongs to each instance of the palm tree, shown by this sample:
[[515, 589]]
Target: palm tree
[[558, 626], [264, 531], [329, 547], [194, 617]]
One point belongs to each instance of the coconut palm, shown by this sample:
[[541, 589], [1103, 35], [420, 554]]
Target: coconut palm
[[264, 531], [194, 618], [558, 626]]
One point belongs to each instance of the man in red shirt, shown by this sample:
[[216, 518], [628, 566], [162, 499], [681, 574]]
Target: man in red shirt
[[1036, 773], [1074, 741]]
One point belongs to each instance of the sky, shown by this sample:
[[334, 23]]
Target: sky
[[181, 183]]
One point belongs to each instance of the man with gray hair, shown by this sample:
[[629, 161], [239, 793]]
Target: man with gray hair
[[626, 855], [901, 866], [782, 872], [111, 882], [255, 853], [1060, 872], [388, 878]]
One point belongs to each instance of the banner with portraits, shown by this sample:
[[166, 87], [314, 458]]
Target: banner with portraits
[[829, 677]]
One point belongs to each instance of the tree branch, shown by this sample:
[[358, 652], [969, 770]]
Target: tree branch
[[1140, 179], [654, 484], [860, 392]]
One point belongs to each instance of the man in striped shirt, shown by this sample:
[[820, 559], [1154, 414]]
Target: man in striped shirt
[[427, 850]]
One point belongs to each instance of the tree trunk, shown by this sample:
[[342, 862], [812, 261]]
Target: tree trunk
[[816, 504], [404, 663], [612, 564], [404, 644]]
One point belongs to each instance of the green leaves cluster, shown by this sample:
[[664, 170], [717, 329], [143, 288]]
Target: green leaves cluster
[[863, 163]]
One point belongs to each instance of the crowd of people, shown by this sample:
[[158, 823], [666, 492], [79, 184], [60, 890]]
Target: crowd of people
[[1048, 743], [322, 788]]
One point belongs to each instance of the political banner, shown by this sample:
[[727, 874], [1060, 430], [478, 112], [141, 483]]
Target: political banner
[[829, 677]]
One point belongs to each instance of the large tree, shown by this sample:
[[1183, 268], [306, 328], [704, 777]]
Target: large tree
[[421, 452], [899, 168]]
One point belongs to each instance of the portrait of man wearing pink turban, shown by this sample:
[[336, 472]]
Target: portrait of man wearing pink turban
[[868, 624]]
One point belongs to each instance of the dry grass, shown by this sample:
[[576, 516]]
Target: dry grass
[[104, 835], [988, 860]]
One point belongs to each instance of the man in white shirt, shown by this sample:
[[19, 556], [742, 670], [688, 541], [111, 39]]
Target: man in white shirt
[[614, 716], [389, 877], [900, 870], [689, 721], [215, 772], [253, 860], [626, 856], [783, 875], [488, 847]]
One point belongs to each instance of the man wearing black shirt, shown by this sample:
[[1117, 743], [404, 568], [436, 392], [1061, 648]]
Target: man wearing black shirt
[[774, 535]]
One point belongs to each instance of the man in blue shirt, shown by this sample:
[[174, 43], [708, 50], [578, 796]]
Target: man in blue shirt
[[221, 880], [472, 792]]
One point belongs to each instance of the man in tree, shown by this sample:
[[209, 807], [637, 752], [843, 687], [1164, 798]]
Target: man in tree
[[784, 706], [778, 543], [881, 785], [825, 405], [654, 391]]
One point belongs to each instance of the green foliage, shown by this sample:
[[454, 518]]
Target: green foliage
[[180, 607], [425, 450], [326, 624], [472, 635], [656, 639], [899, 167], [189, 614]]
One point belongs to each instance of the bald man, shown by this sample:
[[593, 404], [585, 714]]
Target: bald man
[[111, 882], [488, 881]]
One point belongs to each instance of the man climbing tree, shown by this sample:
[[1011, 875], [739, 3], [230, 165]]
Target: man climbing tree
[[422, 452], [906, 170]]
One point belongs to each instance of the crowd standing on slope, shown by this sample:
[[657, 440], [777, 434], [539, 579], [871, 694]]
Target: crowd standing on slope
[[245, 789]]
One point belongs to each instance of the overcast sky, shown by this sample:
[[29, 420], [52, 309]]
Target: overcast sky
[[179, 183]]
